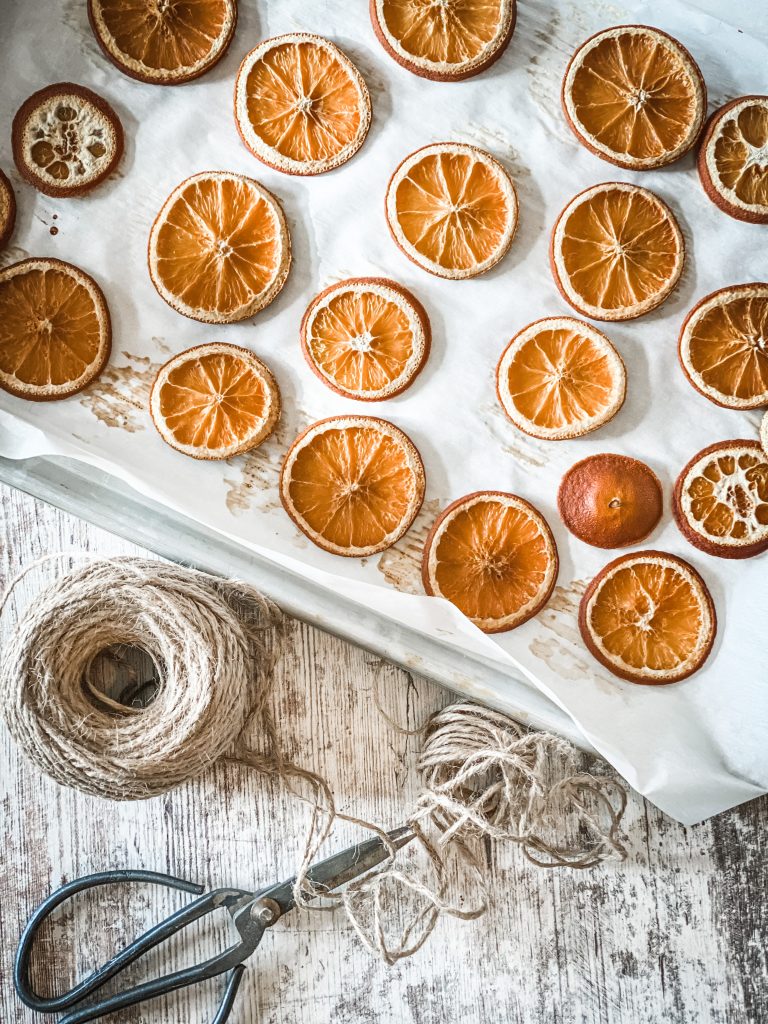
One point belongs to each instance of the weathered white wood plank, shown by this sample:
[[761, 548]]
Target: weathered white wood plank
[[677, 934]]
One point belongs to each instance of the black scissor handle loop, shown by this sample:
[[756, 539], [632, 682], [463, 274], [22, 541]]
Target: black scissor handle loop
[[126, 956]]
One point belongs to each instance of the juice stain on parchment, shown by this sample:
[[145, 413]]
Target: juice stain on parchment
[[400, 565], [252, 479], [12, 254], [563, 651], [526, 451], [119, 397]]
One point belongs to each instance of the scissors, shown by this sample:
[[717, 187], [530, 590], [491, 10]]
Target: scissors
[[251, 912]]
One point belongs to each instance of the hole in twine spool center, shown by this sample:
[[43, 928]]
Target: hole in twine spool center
[[122, 678]]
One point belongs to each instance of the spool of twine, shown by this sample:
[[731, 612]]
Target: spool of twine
[[481, 774]]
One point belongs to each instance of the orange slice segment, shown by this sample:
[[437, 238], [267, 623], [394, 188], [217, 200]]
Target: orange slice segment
[[366, 338], [733, 159], [444, 41], [617, 252], [649, 618], [7, 209], [219, 249], [634, 96], [721, 499], [560, 378], [215, 401], [66, 139], [352, 484], [160, 42], [301, 105], [55, 331], [452, 209], [764, 432], [724, 346], [494, 557]]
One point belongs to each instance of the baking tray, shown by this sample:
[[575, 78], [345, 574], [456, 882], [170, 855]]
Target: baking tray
[[101, 499]]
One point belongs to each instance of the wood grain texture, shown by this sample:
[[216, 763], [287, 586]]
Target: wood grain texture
[[677, 934]]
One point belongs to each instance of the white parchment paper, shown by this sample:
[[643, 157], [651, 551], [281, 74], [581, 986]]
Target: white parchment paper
[[695, 748]]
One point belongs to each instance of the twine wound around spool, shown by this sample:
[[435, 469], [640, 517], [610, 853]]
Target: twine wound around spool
[[482, 775]]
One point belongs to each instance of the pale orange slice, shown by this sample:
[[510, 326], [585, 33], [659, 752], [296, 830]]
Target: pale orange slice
[[560, 378], [723, 346], [764, 432], [161, 41], [7, 209], [352, 484], [493, 556], [634, 96], [366, 338], [55, 331], [452, 209], [301, 105], [721, 499], [617, 251], [444, 41], [649, 618], [219, 250], [215, 401], [66, 140], [733, 159]]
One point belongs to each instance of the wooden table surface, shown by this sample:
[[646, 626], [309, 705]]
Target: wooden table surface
[[675, 934]]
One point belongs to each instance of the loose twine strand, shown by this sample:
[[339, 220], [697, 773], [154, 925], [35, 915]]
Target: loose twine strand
[[482, 776]]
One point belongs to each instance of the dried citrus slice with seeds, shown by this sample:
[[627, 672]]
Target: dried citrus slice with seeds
[[733, 159], [634, 96], [721, 499], [66, 139], [560, 378], [452, 209], [352, 484], [7, 209], [610, 501], [219, 250], [215, 401], [493, 556], [648, 617], [724, 346], [444, 40], [55, 331], [301, 105], [617, 251], [366, 338], [160, 41]]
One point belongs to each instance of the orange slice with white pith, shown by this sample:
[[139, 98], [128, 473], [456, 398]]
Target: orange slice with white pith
[[301, 105], [733, 159], [560, 378], [648, 617], [452, 209], [366, 338]]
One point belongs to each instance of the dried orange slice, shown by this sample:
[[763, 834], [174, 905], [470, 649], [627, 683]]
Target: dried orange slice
[[610, 501], [215, 401], [634, 96], [446, 40], [649, 618], [352, 484], [721, 499], [493, 556], [560, 378], [55, 331], [162, 42], [366, 338], [219, 250], [617, 251], [301, 105], [733, 159], [66, 139], [724, 346], [7, 209], [764, 432], [452, 209]]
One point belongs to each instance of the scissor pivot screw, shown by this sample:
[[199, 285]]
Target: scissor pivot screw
[[265, 911]]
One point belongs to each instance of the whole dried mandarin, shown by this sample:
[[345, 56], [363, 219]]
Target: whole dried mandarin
[[610, 501]]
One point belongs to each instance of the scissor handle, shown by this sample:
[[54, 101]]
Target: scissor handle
[[206, 904]]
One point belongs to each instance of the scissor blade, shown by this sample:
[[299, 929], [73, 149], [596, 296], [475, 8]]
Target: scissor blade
[[342, 867]]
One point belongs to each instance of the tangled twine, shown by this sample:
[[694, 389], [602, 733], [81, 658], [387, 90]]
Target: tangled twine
[[482, 775]]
